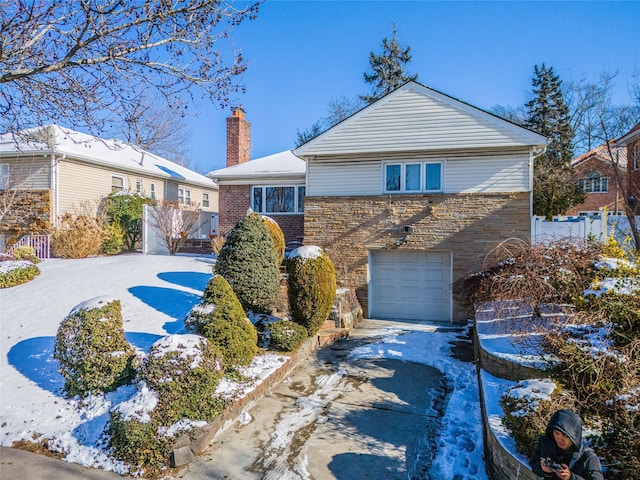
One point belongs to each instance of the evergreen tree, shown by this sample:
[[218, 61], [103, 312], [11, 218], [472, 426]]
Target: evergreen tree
[[248, 261], [554, 192], [388, 68]]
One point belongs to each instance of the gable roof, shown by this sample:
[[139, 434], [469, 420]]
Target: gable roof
[[283, 165], [53, 139], [630, 136], [417, 118], [601, 153]]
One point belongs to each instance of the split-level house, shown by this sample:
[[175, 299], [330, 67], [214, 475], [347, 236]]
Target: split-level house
[[273, 185], [596, 176], [51, 171], [411, 193], [631, 141]]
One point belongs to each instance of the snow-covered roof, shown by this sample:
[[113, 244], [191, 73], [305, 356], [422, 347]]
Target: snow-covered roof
[[54, 139], [284, 165], [630, 136]]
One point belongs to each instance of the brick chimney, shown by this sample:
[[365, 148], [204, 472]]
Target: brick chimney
[[238, 137]]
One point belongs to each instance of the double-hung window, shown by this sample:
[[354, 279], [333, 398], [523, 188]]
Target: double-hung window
[[117, 183], [205, 200], [153, 190], [412, 177], [184, 196], [277, 199], [636, 157]]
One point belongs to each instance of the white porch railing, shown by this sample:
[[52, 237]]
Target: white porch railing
[[40, 243]]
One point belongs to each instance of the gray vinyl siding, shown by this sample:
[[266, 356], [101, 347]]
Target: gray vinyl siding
[[344, 178], [468, 173], [487, 174], [415, 121], [29, 173]]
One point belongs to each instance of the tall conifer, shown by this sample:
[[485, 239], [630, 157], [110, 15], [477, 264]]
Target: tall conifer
[[388, 68], [554, 192]]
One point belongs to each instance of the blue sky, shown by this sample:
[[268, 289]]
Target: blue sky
[[303, 53]]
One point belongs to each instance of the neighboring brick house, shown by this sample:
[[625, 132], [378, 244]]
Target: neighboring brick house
[[631, 141], [411, 193], [50, 171], [272, 185], [595, 174]]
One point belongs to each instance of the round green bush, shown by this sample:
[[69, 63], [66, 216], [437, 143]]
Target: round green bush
[[90, 345], [312, 287], [248, 262], [286, 336], [25, 253], [221, 319], [185, 371], [277, 236], [17, 273], [114, 241]]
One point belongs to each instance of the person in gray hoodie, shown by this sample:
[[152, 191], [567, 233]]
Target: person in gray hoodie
[[560, 452]]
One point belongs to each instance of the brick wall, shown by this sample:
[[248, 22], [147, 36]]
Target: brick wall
[[234, 202], [469, 225], [30, 214], [634, 175], [238, 138]]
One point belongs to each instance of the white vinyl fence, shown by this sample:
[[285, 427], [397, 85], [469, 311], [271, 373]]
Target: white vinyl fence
[[580, 229], [152, 242]]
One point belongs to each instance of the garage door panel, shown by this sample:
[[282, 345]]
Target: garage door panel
[[412, 285]]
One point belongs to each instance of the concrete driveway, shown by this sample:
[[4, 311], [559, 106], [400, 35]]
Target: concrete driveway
[[335, 418]]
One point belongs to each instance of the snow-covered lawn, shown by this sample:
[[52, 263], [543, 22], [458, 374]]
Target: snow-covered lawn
[[156, 293]]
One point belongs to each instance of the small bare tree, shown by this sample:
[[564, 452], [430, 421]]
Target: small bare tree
[[174, 222]]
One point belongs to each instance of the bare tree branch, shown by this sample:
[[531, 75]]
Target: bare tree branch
[[84, 63]]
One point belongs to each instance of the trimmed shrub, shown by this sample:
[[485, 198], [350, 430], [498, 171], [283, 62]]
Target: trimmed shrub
[[185, 371], [312, 287], [78, 237], [17, 273], [90, 345], [25, 253], [114, 243], [285, 336], [125, 209], [221, 319], [248, 262], [526, 416], [277, 236]]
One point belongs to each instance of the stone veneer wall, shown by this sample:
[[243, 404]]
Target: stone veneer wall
[[469, 225], [30, 214], [234, 200]]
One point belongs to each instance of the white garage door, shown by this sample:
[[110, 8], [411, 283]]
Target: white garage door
[[410, 285]]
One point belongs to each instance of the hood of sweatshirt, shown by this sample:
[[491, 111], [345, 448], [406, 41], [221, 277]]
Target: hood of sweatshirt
[[570, 424]]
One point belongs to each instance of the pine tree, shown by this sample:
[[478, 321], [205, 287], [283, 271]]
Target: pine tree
[[388, 68], [554, 192]]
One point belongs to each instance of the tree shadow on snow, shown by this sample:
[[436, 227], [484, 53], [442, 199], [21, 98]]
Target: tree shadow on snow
[[346, 466], [142, 341], [174, 303], [33, 358], [195, 280]]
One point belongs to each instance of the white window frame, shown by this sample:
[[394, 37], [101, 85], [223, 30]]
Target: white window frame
[[205, 200], [297, 209], [403, 176], [5, 176], [153, 190], [588, 184], [184, 196], [635, 155], [139, 185], [116, 188]]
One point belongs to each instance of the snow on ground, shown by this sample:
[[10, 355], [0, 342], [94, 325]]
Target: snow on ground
[[156, 292], [460, 452]]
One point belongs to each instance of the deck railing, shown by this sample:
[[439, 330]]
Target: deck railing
[[40, 243]]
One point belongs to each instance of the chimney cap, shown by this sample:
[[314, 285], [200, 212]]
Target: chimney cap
[[237, 111]]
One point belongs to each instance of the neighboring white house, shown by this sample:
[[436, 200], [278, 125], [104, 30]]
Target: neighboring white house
[[51, 170]]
